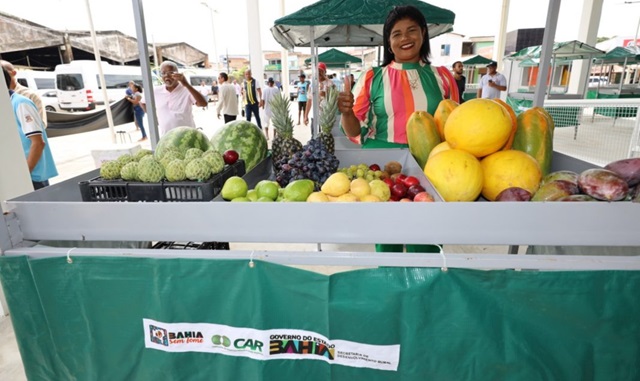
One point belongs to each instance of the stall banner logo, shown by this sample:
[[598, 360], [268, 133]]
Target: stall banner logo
[[158, 335], [263, 345]]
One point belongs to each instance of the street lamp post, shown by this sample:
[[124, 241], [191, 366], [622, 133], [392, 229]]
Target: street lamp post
[[213, 34]]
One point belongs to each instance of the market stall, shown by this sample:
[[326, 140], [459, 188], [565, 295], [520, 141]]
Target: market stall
[[563, 54], [627, 86], [473, 75], [247, 315]]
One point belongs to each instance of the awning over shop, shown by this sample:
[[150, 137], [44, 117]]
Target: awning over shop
[[350, 22], [335, 58]]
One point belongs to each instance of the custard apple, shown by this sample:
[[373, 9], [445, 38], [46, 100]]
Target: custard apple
[[215, 160], [198, 169], [130, 171], [142, 153], [150, 171], [175, 170], [192, 153], [110, 170]]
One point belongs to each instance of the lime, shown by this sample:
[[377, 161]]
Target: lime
[[252, 195], [298, 190], [234, 187], [268, 189]]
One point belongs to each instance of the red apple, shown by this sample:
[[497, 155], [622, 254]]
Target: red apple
[[405, 200], [230, 156], [374, 167], [411, 181], [414, 190], [400, 179], [388, 181], [423, 197], [394, 198], [398, 190]]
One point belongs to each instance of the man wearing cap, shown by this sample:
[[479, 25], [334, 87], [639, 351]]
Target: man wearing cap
[[492, 83], [303, 89], [323, 84]]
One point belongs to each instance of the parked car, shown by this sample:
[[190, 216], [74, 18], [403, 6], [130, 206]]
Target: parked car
[[293, 90], [595, 81], [50, 101]]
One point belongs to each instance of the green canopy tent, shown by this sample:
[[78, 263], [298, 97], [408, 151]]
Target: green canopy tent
[[335, 58], [476, 60], [618, 55], [562, 53], [350, 23]]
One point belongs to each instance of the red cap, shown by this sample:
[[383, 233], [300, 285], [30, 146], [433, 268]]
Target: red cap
[[322, 66]]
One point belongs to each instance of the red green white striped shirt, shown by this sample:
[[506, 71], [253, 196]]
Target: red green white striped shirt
[[386, 97]]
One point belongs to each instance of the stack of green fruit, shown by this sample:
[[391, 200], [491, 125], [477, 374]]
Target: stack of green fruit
[[235, 189], [361, 171]]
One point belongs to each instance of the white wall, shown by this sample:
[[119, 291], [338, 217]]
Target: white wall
[[455, 51]]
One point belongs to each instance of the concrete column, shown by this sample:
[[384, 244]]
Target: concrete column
[[501, 36], [587, 33], [255, 44], [284, 59]]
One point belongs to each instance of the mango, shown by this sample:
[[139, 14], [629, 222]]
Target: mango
[[628, 169], [603, 184], [554, 190]]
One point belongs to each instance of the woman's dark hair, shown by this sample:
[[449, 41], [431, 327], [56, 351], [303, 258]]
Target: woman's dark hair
[[7, 77], [138, 87], [397, 14]]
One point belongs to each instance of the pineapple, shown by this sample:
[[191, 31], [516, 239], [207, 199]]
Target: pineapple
[[328, 118], [284, 144]]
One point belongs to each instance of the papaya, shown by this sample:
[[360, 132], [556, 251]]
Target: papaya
[[514, 123], [422, 136], [535, 137], [445, 107], [551, 124]]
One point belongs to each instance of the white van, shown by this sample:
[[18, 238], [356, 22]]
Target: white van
[[195, 76], [78, 83], [38, 81]]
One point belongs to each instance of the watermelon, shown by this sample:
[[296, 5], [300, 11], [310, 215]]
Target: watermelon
[[181, 139], [243, 137]]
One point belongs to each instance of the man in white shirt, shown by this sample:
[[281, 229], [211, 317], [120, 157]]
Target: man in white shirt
[[492, 83], [227, 99], [267, 95], [174, 99]]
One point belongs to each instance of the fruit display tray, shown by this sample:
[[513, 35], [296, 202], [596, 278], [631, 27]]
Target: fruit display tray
[[264, 169], [100, 190], [58, 213]]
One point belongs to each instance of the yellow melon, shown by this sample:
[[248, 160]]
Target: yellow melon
[[456, 175], [439, 148], [506, 169], [479, 126]]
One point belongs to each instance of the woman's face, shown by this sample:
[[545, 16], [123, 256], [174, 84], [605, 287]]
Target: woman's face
[[405, 40]]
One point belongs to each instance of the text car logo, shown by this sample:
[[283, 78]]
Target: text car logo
[[240, 344]]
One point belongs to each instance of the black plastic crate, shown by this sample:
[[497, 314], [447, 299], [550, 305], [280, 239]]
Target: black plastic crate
[[100, 190]]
